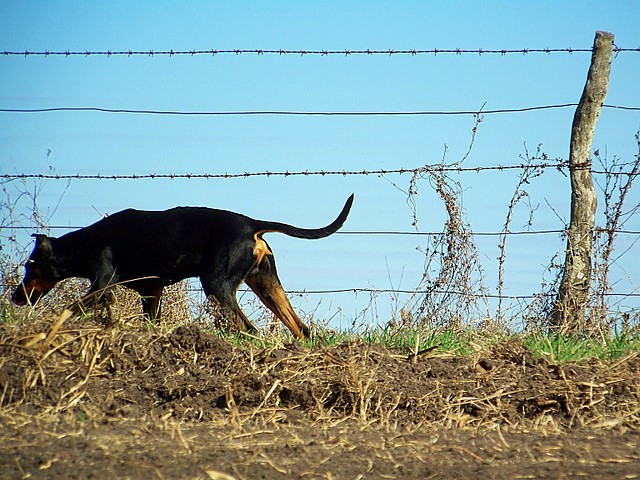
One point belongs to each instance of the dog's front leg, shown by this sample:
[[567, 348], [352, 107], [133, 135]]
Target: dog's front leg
[[100, 295]]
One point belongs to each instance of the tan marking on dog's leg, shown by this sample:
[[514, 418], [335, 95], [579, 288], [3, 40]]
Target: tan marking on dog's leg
[[268, 288], [261, 249]]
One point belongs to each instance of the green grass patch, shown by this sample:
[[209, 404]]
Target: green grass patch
[[562, 349], [454, 341], [556, 348], [403, 340]]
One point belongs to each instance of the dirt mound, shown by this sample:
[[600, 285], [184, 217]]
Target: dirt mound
[[192, 375], [81, 401]]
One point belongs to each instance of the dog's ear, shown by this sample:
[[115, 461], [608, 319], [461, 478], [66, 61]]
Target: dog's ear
[[44, 244]]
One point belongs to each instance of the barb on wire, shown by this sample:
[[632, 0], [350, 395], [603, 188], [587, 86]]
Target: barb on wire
[[301, 53], [303, 113]]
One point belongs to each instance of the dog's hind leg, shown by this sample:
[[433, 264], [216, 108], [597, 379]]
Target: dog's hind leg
[[266, 285], [151, 295]]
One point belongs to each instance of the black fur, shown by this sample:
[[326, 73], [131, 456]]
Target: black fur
[[148, 250]]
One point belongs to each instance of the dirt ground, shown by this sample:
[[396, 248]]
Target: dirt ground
[[132, 402]]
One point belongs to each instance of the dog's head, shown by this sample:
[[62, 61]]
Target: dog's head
[[40, 275]]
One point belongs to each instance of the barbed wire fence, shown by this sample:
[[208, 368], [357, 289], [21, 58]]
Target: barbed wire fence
[[560, 165], [322, 53]]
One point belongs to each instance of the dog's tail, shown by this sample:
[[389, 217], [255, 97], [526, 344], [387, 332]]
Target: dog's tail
[[262, 226]]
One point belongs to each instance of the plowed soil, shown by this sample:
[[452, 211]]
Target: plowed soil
[[132, 402]]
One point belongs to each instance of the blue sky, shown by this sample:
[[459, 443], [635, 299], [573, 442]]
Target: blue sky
[[91, 142]]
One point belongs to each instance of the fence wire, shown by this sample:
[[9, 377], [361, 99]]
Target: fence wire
[[213, 52], [376, 291], [398, 291], [383, 233], [305, 113], [558, 164]]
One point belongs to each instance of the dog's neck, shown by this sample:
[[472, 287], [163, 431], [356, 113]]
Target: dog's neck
[[68, 255]]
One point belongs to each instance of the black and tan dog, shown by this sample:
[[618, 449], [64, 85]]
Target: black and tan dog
[[148, 250]]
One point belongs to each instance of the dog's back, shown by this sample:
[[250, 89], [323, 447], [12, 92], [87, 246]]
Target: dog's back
[[170, 244]]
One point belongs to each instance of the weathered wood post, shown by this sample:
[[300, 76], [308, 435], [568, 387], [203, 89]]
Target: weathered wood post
[[573, 292]]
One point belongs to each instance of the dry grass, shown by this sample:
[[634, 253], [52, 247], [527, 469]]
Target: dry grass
[[165, 403], [58, 361]]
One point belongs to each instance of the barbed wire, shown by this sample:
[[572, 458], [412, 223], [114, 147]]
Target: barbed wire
[[438, 292], [397, 291], [374, 232], [303, 53], [305, 113], [558, 164], [287, 173]]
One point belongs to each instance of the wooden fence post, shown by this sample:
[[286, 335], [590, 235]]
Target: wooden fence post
[[573, 292]]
